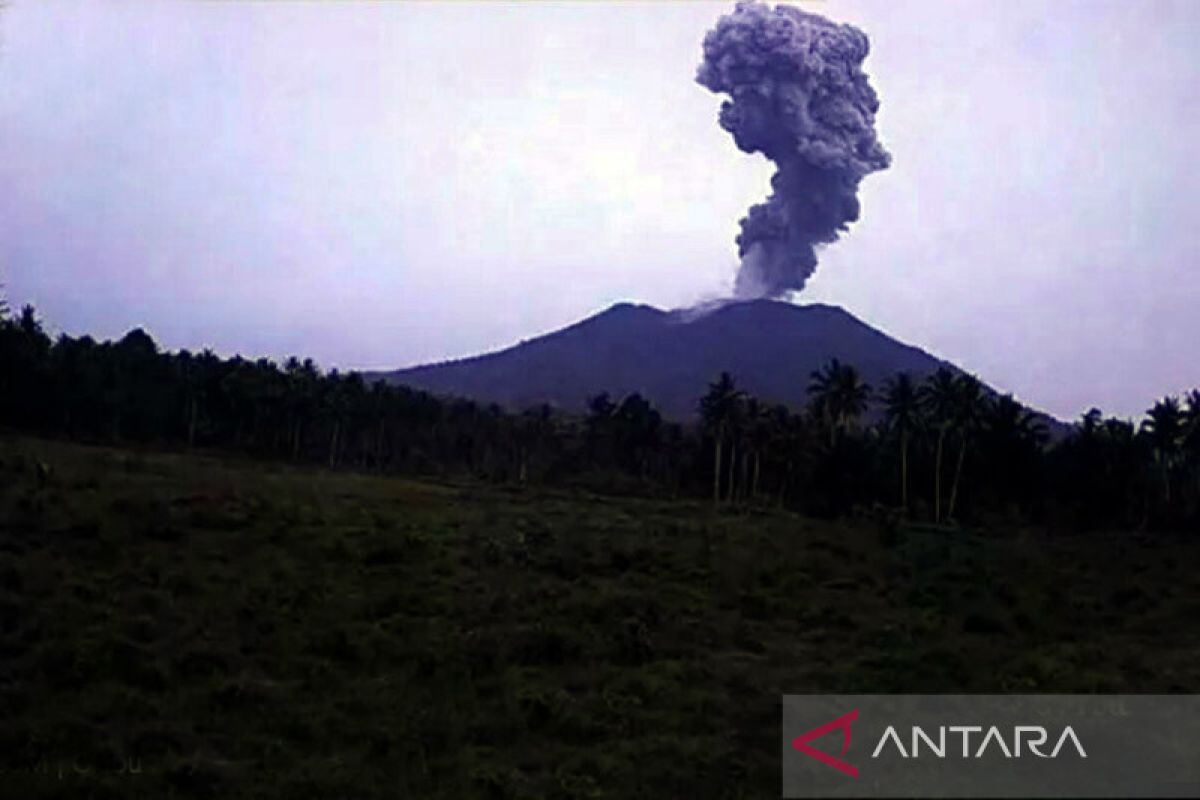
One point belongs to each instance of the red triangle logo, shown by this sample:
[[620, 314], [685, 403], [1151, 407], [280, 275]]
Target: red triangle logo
[[801, 743]]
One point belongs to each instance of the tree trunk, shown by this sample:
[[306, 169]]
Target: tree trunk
[[962, 452], [333, 443], [937, 476], [743, 469], [717, 472], [379, 447], [732, 463], [754, 479], [192, 423], [904, 471], [785, 483]]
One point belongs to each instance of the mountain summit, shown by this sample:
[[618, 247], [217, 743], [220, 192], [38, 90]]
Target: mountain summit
[[670, 358]]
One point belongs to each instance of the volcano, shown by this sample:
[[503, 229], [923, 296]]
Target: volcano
[[670, 357]]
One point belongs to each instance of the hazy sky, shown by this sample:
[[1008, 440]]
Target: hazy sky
[[382, 184]]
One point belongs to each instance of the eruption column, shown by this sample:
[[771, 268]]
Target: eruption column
[[798, 95]]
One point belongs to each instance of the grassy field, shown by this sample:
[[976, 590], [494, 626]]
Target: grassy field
[[187, 626]]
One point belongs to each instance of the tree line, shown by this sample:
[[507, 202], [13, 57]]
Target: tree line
[[940, 448]]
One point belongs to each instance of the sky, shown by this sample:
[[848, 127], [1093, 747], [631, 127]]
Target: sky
[[384, 184]]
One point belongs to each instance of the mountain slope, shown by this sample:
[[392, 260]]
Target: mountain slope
[[769, 347]]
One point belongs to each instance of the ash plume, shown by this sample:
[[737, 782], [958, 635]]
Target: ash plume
[[799, 96]]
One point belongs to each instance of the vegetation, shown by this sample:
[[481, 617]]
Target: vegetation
[[256, 580], [195, 625], [986, 460]]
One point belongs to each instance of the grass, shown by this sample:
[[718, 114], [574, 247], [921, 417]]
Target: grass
[[237, 629]]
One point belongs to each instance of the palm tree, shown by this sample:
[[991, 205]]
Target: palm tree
[[1193, 407], [354, 393], [638, 424], [839, 396], [820, 393], [1119, 458], [735, 425], [1118, 430], [902, 415], [968, 409], [718, 412], [533, 427], [380, 392], [1192, 411], [189, 380], [790, 441], [335, 401], [1191, 442], [757, 426], [939, 398], [1012, 421], [600, 426], [1165, 428], [303, 379], [1190, 435], [1014, 437], [1090, 423]]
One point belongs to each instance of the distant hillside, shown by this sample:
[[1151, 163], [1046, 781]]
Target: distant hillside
[[769, 347]]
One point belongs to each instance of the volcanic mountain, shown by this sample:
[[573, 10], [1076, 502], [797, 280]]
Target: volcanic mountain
[[769, 347]]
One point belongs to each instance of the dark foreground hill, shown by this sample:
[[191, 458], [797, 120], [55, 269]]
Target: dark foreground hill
[[242, 629], [769, 347]]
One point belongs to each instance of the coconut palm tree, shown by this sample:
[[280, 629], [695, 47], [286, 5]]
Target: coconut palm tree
[[758, 433], [1190, 435], [379, 412], [1192, 412], [333, 404], [534, 426], [790, 442], [1191, 444], [1014, 436], [902, 416], [839, 396], [302, 379], [188, 378], [718, 413], [1165, 428], [968, 410], [1010, 420], [736, 426], [638, 425], [939, 399]]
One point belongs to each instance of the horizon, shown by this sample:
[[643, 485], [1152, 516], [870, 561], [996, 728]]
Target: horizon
[[703, 309], [383, 186]]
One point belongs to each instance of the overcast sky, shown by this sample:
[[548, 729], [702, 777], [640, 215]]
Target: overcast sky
[[383, 184]]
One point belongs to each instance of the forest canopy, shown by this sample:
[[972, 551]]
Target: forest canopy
[[941, 449]]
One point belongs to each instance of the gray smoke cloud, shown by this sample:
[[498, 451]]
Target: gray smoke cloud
[[799, 96]]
